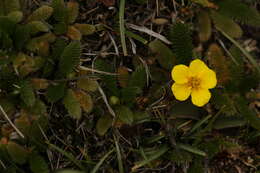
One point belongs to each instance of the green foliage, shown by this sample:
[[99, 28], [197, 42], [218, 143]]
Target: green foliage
[[27, 93], [38, 164], [69, 58], [239, 12], [71, 104], [227, 25], [41, 14], [125, 114], [55, 92], [180, 36]]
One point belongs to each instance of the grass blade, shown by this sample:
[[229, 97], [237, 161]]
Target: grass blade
[[191, 149], [119, 157], [95, 169], [122, 25]]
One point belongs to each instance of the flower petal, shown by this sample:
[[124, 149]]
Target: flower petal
[[197, 67], [181, 91], [200, 97], [208, 79], [180, 74]]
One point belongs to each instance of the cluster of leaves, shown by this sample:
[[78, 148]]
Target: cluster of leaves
[[43, 78]]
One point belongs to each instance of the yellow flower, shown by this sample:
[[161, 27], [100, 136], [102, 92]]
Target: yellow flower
[[195, 80]]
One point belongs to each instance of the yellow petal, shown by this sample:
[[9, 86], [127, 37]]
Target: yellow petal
[[208, 79], [181, 91], [180, 74], [200, 97], [197, 67]]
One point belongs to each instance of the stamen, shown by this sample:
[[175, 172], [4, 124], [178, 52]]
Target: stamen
[[194, 82]]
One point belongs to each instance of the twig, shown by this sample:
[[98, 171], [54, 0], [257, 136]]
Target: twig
[[2, 163], [10, 122], [97, 71]]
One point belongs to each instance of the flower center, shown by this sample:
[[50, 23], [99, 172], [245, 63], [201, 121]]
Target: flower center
[[194, 82]]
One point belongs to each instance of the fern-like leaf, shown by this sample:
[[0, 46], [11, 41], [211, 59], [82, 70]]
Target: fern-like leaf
[[182, 42], [239, 12], [69, 58]]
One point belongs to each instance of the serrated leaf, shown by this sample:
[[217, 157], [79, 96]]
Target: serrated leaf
[[163, 54], [73, 33], [125, 114], [227, 25], [85, 100], [87, 84], [85, 29], [73, 11], [103, 124], [69, 58], [17, 152], [38, 164], [204, 25], [27, 93], [72, 104], [58, 46], [180, 36], [41, 14], [55, 92]]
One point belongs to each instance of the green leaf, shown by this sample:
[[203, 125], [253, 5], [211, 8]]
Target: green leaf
[[27, 93], [72, 104], [41, 14], [85, 101], [37, 26], [11, 5], [69, 58], [163, 54], [103, 124], [204, 25], [125, 114], [229, 122], [138, 78], [73, 11], [87, 84], [17, 152], [180, 36], [239, 12], [60, 12], [55, 92], [15, 16], [227, 25], [191, 149], [85, 29], [38, 164]]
